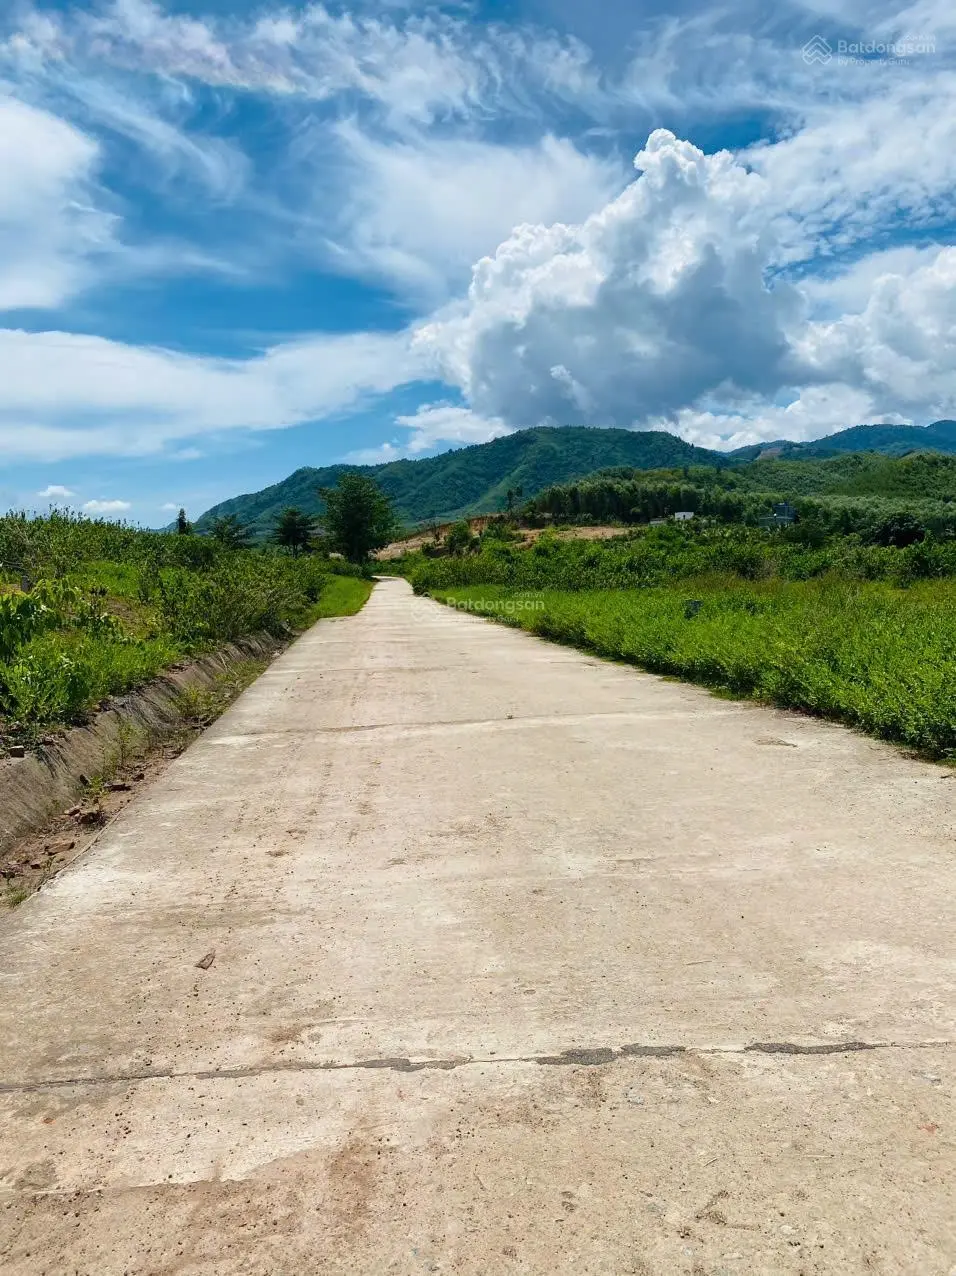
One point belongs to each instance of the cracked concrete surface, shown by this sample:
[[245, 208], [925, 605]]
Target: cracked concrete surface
[[295, 1011]]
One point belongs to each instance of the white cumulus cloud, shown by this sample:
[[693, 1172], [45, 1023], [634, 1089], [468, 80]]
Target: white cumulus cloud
[[669, 308], [901, 348], [434, 425], [106, 507], [56, 492], [655, 300]]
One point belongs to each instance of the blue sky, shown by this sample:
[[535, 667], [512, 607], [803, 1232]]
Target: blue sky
[[236, 239]]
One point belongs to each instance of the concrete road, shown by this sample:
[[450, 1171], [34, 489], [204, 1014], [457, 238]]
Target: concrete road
[[515, 962]]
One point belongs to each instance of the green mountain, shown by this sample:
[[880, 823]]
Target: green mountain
[[473, 480], [915, 476], [891, 440]]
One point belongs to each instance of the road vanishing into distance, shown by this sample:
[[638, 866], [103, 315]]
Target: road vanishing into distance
[[450, 950]]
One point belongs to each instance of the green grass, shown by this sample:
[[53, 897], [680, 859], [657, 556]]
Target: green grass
[[342, 596], [878, 658], [200, 706]]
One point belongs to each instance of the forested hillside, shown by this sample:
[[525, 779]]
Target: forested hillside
[[476, 480], [891, 440], [473, 479], [856, 492]]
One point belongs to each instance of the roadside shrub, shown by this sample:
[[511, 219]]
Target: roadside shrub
[[51, 605], [653, 556], [112, 605], [246, 593], [60, 677]]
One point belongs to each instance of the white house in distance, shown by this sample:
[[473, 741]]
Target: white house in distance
[[683, 516]]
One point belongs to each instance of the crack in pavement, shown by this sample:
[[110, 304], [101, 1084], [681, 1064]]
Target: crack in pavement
[[788, 1047], [468, 724], [574, 1057]]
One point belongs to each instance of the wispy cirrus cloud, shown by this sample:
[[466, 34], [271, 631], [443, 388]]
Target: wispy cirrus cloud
[[67, 395], [416, 68], [53, 230], [419, 212], [58, 62], [386, 114]]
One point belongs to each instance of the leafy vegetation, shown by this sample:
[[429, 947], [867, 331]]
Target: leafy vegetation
[[655, 555], [107, 606], [293, 530], [229, 531], [868, 494], [458, 538]]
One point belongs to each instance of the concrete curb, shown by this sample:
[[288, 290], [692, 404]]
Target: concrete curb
[[35, 787]]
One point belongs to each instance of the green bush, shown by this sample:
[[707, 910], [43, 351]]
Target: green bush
[[60, 677], [113, 605], [652, 556]]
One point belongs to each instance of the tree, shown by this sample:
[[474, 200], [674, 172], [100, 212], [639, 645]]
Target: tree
[[294, 530], [358, 517], [228, 531], [900, 529], [183, 525], [458, 539], [513, 495]]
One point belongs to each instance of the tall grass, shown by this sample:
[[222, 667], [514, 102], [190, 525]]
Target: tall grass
[[879, 658]]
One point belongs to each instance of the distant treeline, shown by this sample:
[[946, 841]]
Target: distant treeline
[[890, 501]]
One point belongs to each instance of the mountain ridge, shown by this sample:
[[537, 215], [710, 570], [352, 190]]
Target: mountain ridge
[[476, 479]]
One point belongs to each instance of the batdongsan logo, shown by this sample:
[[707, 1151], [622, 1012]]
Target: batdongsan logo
[[817, 52]]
